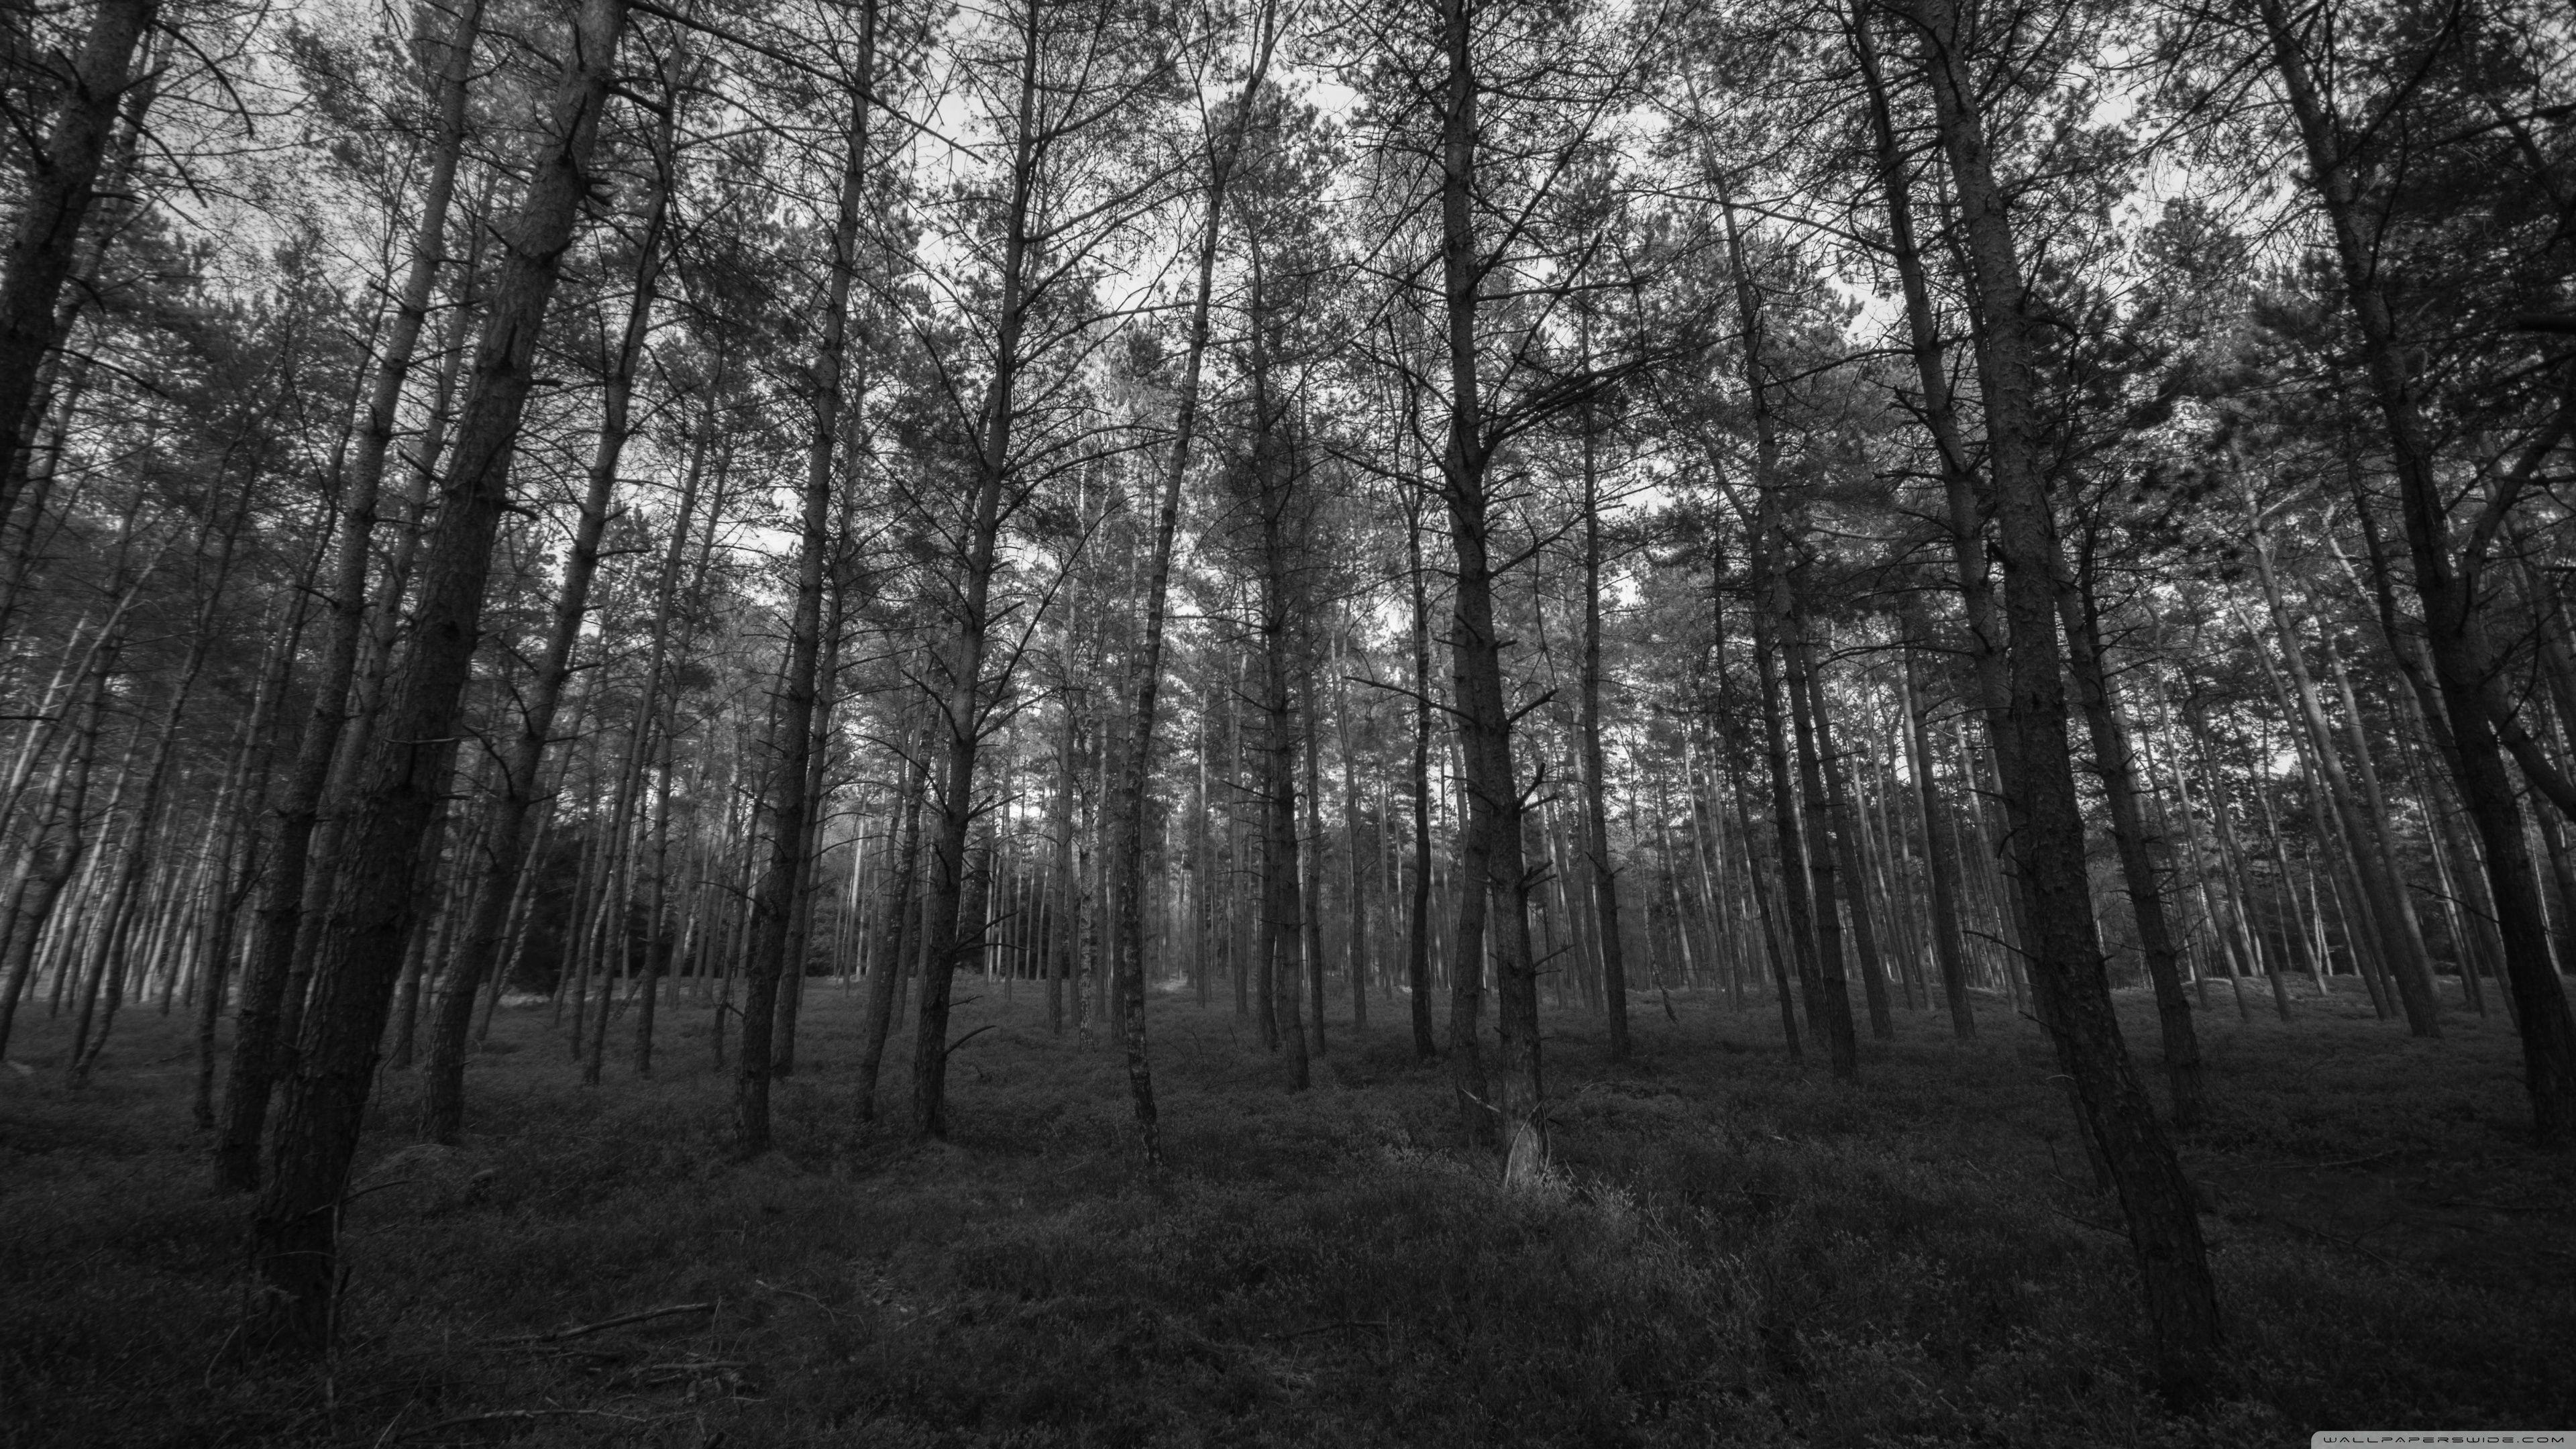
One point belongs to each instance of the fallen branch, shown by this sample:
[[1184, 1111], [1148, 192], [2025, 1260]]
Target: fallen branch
[[2341, 1161], [1328, 1328], [515, 1416], [583, 1330]]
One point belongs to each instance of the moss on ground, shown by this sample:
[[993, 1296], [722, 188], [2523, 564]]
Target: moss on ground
[[1728, 1250]]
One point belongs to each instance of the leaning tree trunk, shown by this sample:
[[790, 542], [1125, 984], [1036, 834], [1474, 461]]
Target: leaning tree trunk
[[2448, 586], [1940, 841], [2069, 982], [295, 1233], [61, 838], [2138, 848], [506, 849], [60, 185], [259, 1043]]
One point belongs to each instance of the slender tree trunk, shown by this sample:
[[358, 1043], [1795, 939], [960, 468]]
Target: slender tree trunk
[[895, 932], [61, 184], [295, 1231], [1603, 873], [1127, 847], [1940, 844], [2138, 847], [1491, 856], [960, 719], [2036, 763], [261, 1041], [1417, 934], [2447, 585], [788, 804]]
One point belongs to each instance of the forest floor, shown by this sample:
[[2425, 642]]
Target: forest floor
[[1729, 1249]]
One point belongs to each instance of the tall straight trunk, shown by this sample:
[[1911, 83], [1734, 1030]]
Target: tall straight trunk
[[1796, 881], [788, 803], [2138, 847], [1603, 874], [1849, 844], [896, 930], [1359, 954], [260, 1042], [2373, 799], [1311, 855], [1833, 993], [960, 720], [2068, 980], [295, 1231], [1417, 932], [1490, 860], [1940, 840], [1127, 814], [660, 940], [1806, 864], [1283, 907], [61, 185]]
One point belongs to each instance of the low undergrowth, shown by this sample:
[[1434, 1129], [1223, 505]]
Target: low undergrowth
[[1725, 1249]]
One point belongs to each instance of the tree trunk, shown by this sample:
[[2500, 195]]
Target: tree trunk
[[2138, 847], [2448, 588], [2036, 763], [60, 186], [960, 720], [295, 1231], [261, 1044], [1596, 810]]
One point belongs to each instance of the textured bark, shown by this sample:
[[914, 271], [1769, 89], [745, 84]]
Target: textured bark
[[1127, 815], [2140, 869], [789, 792], [61, 185], [1417, 933], [1602, 872], [261, 1041], [960, 720], [1833, 993], [295, 1232], [1940, 842], [1359, 921], [507, 836], [896, 933], [2068, 980], [1491, 862]]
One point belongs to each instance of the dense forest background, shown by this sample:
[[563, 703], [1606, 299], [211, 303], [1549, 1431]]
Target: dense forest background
[[1902, 514]]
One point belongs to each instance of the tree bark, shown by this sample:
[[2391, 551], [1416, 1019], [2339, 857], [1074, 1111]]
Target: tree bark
[[2138, 847], [261, 1045], [295, 1231], [2036, 762], [60, 187]]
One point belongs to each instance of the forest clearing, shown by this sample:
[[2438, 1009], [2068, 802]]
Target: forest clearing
[[1286, 721], [1725, 1252]]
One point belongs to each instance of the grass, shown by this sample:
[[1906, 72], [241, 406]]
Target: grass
[[1728, 1249]]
